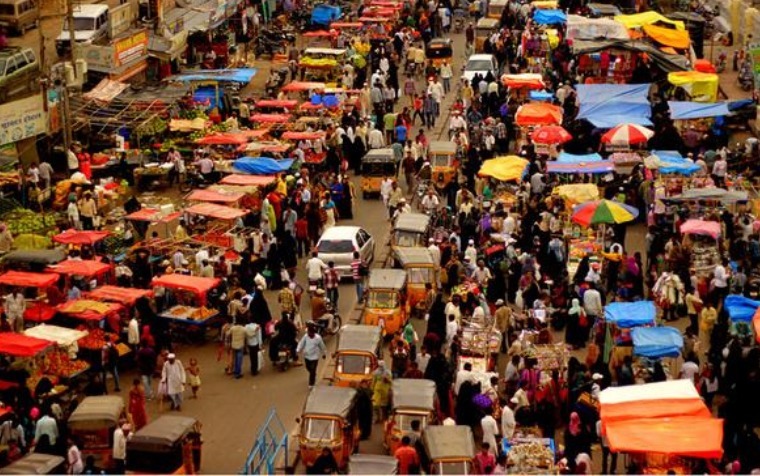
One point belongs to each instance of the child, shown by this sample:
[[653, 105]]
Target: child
[[194, 377]]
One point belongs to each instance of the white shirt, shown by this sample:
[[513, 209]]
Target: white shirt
[[435, 252], [592, 302], [200, 256], [490, 430], [314, 268], [509, 225], [312, 347], [376, 139], [430, 202], [76, 466], [71, 160], [119, 444], [462, 377], [133, 332], [720, 277], [508, 422], [689, 370], [452, 308], [451, 330]]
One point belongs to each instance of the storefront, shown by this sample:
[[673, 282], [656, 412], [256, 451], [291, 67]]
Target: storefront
[[125, 59]]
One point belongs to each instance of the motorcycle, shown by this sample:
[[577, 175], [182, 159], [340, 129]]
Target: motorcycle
[[285, 357], [330, 323], [276, 81], [746, 81]]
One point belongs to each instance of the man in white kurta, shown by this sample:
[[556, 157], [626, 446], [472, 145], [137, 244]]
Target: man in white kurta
[[490, 430], [173, 376]]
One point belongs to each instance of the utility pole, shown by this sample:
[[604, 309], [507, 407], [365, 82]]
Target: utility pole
[[72, 35]]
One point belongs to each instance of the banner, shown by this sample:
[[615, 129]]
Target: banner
[[21, 119], [131, 48]]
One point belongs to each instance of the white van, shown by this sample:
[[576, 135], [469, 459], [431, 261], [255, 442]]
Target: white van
[[90, 25]]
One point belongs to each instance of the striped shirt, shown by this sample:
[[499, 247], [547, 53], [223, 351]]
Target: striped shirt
[[356, 269]]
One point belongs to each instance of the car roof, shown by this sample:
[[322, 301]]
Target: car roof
[[342, 232], [89, 10], [13, 50], [381, 278], [481, 56]]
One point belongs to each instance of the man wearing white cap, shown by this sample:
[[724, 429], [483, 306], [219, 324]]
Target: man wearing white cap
[[173, 377], [471, 252]]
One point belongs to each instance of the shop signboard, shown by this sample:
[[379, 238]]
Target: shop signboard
[[99, 58], [130, 48], [22, 119]]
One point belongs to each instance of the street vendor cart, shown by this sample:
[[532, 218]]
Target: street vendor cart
[[93, 423], [221, 218], [88, 270], [35, 284], [62, 361], [163, 446], [187, 289], [702, 238], [529, 455], [27, 351]]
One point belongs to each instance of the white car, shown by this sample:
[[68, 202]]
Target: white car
[[338, 243], [482, 64]]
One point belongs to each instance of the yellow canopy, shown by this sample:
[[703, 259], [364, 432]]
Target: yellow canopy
[[702, 87], [647, 18], [668, 36], [545, 4], [578, 192], [505, 169]]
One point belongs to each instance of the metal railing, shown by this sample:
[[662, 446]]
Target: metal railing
[[271, 443]]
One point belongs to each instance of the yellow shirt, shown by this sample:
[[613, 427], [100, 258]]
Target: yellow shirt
[[282, 188]]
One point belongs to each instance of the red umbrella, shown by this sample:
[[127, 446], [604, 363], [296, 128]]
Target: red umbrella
[[551, 135], [627, 134]]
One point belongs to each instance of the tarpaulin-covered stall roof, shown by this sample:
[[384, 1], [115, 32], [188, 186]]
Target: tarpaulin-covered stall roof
[[582, 28], [630, 314], [524, 80], [277, 103], [303, 135], [549, 17], [19, 345], [668, 36], [504, 168], [76, 237], [117, 294], [89, 310], [607, 105], [697, 110], [219, 212], [680, 436], [262, 165], [152, 215], [248, 180], [701, 227], [86, 268], [651, 400], [28, 280], [223, 138], [566, 158], [664, 61], [324, 14], [231, 75], [603, 9], [578, 192], [201, 195], [740, 308], [709, 193], [303, 86], [647, 18], [538, 114], [194, 284], [702, 87], [62, 336], [670, 162], [657, 342], [599, 167]]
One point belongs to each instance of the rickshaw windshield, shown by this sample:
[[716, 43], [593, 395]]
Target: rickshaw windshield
[[321, 429], [440, 161], [382, 300], [404, 422], [418, 275], [379, 169], [354, 364], [437, 52], [407, 238], [458, 467]]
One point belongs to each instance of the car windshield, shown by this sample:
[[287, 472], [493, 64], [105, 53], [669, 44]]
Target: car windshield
[[478, 65], [407, 238], [354, 364], [440, 161], [82, 24], [335, 246], [382, 300], [321, 429], [418, 275], [7, 9], [404, 422]]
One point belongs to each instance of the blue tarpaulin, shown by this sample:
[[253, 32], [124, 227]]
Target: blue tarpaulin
[[607, 105], [550, 17], [696, 110], [540, 96], [601, 167], [672, 162], [262, 165], [742, 103], [232, 75], [324, 14], [630, 314], [566, 158], [740, 308], [657, 342]]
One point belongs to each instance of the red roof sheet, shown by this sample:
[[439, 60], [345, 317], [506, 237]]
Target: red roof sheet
[[194, 284], [86, 268], [20, 345], [75, 237], [28, 280], [117, 294]]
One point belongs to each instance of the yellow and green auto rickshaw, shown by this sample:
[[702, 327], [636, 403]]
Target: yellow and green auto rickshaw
[[359, 348], [161, 446], [420, 271], [449, 449], [496, 8], [377, 164], [411, 230], [329, 420], [439, 50], [412, 399], [386, 307]]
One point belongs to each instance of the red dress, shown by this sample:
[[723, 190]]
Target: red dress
[[137, 408]]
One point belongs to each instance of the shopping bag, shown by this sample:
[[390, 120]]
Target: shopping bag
[[261, 361]]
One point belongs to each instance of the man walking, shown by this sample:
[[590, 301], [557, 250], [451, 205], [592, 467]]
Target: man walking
[[253, 341], [173, 376], [331, 281], [312, 346], [237, 344]]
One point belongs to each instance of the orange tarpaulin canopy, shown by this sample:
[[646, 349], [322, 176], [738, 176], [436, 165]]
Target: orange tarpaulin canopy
[[20, 345], [668, 36], [220, 212], [295, 135], [271, 118], [282, 103], [247, 180], [214, 196], [318, 34], [538, 114], [678, 436], [346, 24], [656, 409], [223, 138], [516, 81], [86, 268], [194, 284], [117, 294], [25, 279], [151, 214], [302, 86], [76, 237]]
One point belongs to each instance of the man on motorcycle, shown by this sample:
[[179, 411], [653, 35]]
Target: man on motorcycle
[[318, 305], [430, 202], [285, 338]]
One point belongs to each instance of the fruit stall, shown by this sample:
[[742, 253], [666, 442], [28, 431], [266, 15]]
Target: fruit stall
[[127, 297], [27, 352], [35, 284], [219, 219], [184, 290], [88, 270], [529, 455], [61, 361]]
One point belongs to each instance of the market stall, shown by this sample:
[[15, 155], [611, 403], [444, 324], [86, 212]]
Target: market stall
[[80, 237], [219, 221], [183, 291], [92, 271], [62, 361], [38, 310], [149, 220], [28, 352], [119, 295], [701, 237], [619, 320], [651, 344], [741, 310], [529, 455], [92, 313], [579, 164]]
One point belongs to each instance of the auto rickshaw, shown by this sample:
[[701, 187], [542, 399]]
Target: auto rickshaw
[[359, 347], [484, 28], [329, 420], [413, 399], [372, 464], [439, 50], [160, 446], [420, 270], [449, 449], [93, 423], [443, 162], [37, 463], [386, 307], [496, 8], [376, 165], [411, 230]]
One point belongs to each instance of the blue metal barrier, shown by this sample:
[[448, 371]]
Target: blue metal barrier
[[271, 442]]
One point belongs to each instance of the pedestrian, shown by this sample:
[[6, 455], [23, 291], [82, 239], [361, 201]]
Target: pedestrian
[[331, 282], [194, 376], [312, 347], [381, 392], [74, 462], [237, 344], [15, 306], [324, 464], [254, 340], [485, 461], [173, 379], [137, 404], [408, 459], [109, 356], [359, 271], [119, 449]]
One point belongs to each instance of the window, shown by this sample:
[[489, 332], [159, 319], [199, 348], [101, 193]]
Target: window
[[11, 66], [404, 422], [354, 364], [7, 10], [335, 246], [365, 236], [440, 161], [479, 65], [21, 61], [30, 56], [360, 240], [321, 429], [418, 275], [2, 66], [382, 300], [407, 238]]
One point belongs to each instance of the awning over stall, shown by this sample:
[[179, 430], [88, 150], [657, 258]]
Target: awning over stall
[[630, 314], [681, 110], [607, 105]]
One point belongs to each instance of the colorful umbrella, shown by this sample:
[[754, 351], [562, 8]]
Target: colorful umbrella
[[551, 135], [627, 134], [603, 212]]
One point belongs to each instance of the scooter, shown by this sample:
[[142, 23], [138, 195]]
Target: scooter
[[330, 323], [285, 357]]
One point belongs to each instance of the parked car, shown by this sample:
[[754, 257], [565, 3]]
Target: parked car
[[90, 25], [338, 243], [19, 72], [482, 63], [19, 15]]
